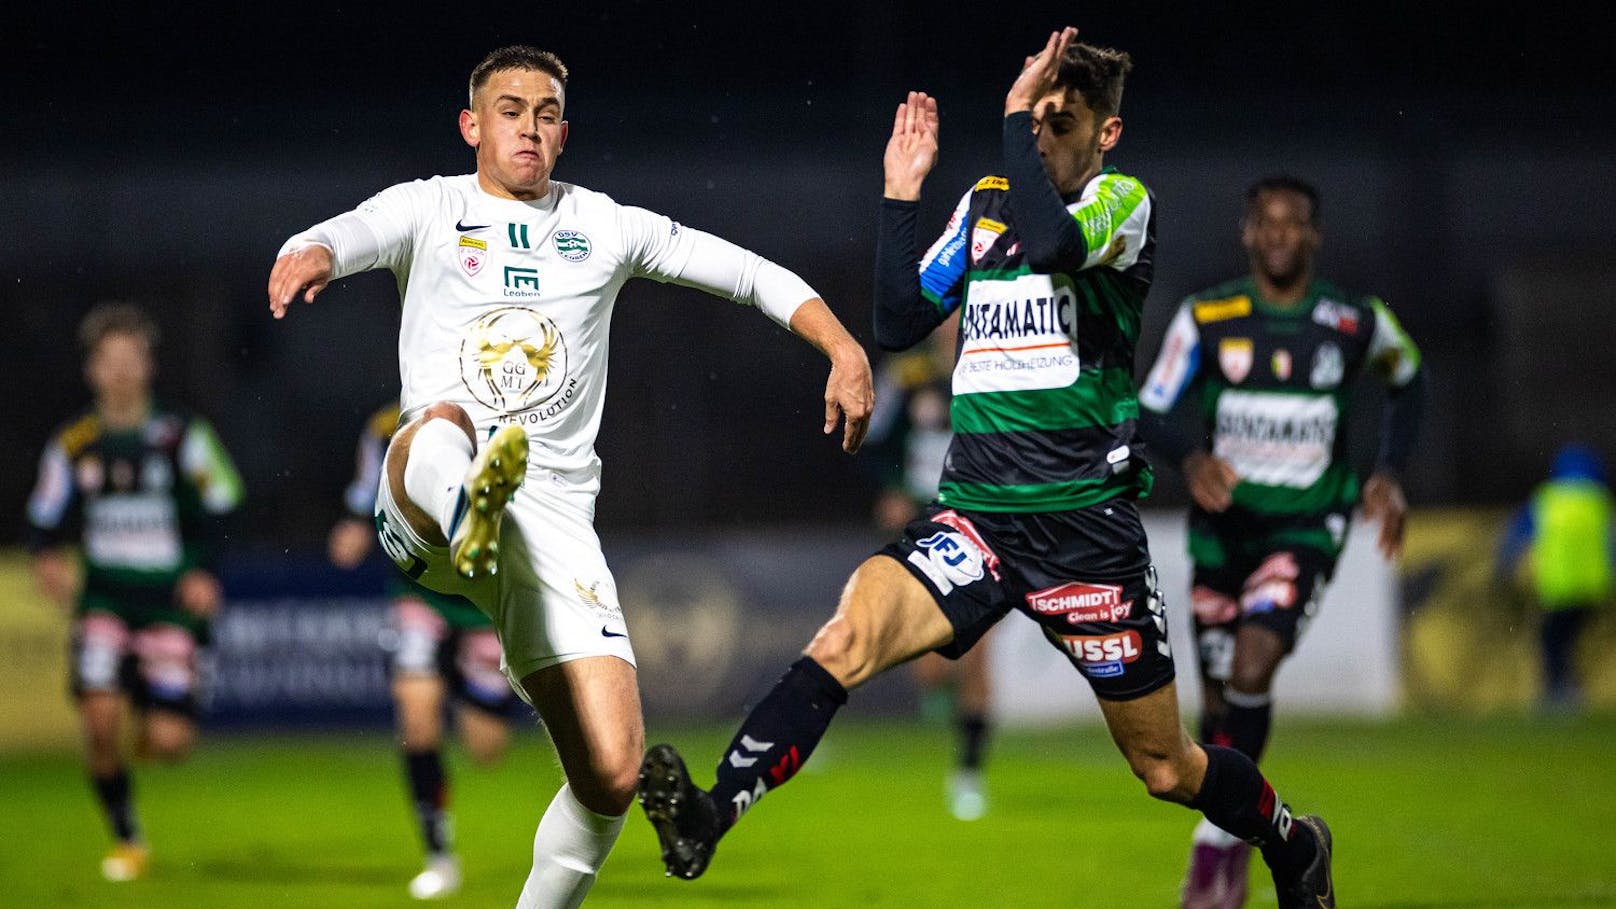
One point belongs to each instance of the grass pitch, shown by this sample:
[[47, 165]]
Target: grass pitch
[[1428, 814]]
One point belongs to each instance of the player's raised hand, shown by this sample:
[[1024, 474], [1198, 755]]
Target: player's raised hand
[[306, 269], [1383, 501], [912, 150], [1211, 480], [1038, 72]]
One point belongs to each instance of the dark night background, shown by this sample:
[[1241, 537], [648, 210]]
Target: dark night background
[[1466, 164]]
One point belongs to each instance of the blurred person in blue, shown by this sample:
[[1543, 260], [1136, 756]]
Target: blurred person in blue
[[143, 491], [1564, 531], [442, 650]]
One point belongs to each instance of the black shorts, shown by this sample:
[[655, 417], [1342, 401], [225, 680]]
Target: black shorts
[[1084, 576], [157, 665], [1279, 590]]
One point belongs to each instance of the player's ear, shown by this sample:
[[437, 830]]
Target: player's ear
[[563, 146], [1110, 133], [468, 128]]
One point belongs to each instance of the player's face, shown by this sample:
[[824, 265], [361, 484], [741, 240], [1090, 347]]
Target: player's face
[[120, 369], [515, 125], [1071, 139], [1280, 236]]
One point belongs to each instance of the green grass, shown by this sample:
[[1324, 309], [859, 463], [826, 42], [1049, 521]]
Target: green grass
[[1427, 815]]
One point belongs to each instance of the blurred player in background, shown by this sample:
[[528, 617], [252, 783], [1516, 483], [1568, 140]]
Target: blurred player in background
[[908, 441], [1048, 266], [508, 281], [1565, 531], [1273, 358], [143, 490], [442, 645]]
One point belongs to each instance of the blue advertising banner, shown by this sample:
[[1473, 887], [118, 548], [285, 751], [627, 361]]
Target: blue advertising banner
[[714, 619]]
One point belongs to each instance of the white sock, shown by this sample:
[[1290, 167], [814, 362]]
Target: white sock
[[1210, 834], [440, 455], [569, 848]]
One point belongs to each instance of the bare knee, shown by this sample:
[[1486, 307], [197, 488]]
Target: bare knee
[[169, 739], [1161, 775], [885, 618], [485, 752], [842, 650], [608, 786], [454, 413], [1250, 680]]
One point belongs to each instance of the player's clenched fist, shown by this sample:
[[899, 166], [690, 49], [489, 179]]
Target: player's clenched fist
[[306, 267]]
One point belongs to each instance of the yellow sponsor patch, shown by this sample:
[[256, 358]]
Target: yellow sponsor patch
[[990, 224], [474, 243], [992, 183], [1218, 310], [78, 437]]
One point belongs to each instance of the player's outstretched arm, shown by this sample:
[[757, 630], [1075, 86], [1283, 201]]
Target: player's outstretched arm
[[306, 269], [850, 389]]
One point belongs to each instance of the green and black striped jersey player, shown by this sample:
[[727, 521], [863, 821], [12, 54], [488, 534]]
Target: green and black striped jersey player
[[1270, 361], [144, 492], [1046, 264]]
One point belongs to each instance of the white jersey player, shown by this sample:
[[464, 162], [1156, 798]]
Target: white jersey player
[[508, 279]]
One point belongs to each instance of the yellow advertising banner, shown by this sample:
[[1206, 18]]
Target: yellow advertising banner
[[36, 712], [1470, 638]]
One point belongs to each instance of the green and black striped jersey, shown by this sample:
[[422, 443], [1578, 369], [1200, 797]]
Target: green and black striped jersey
[[1044, 409], [1275, 386], [145, 502]]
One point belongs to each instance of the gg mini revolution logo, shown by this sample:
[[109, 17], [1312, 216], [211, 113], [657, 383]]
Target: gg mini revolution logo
[[514, 360]]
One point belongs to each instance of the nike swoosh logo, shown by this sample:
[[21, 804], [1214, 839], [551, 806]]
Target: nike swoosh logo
[[608, 633], [461, 225]]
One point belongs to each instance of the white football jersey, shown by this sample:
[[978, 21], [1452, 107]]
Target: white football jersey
[[508, 304]]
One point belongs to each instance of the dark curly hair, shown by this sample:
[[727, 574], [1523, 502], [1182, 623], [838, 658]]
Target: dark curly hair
[[1289, 184]]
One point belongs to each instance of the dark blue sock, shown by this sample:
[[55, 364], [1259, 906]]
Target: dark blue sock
[[429, 791], [117, 801], [776, 738], [1235, 797]]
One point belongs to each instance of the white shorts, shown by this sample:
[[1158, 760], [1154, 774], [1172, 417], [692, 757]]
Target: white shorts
[[553, 599]]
